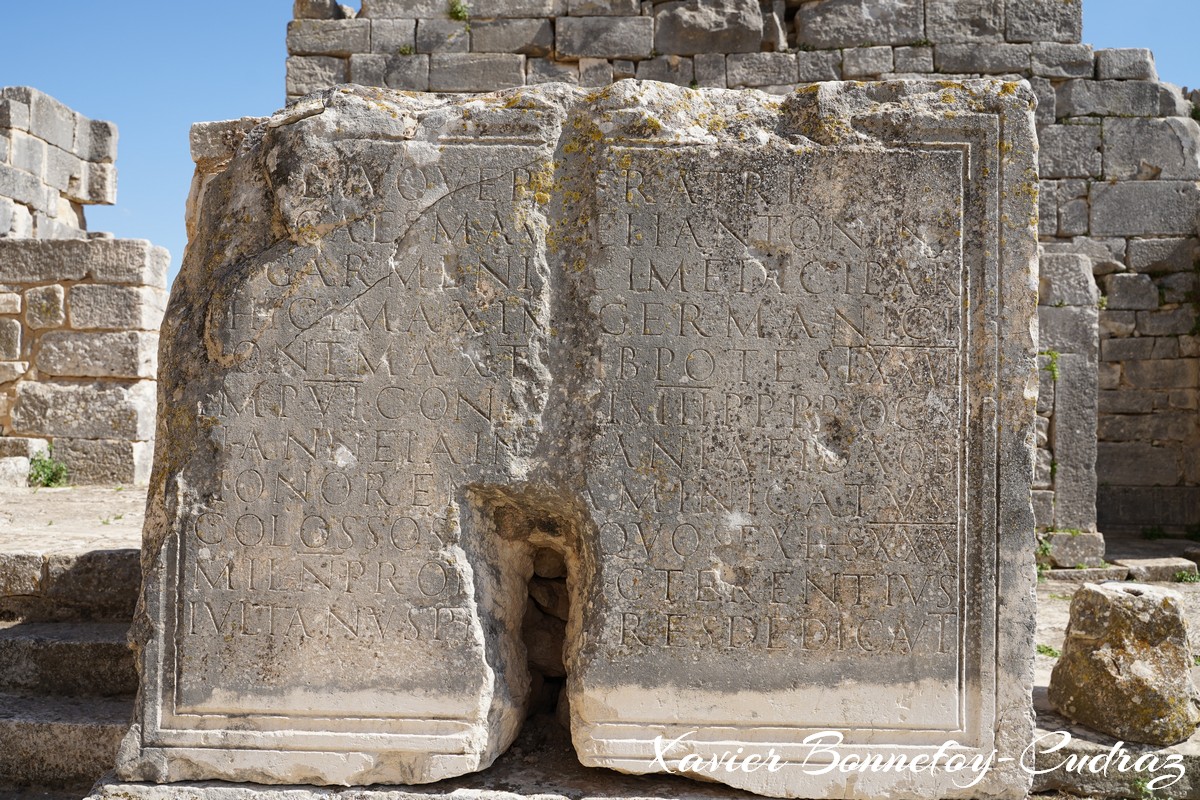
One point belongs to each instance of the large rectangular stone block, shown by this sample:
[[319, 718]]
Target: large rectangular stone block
[[328, 37], [1144, 208], [1044, 20], [531, 37], [116, 307], [828, 24], [85, 410], [964, 20], [1088, 98], [312, 73], [1070, 151], [127, 354], [548, 333], [604, 37], [105, 461], [475, 72], [760, 69], [987, 59], [1144, 149]]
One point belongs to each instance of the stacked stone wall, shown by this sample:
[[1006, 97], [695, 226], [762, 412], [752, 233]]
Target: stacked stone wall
[[79, 311], [1119, 162], [53, 162]]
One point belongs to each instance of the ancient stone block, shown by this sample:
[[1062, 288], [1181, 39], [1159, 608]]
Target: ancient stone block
[[1065, 279], [1145, 149], [520, 8], [687, 27], [321, 37], [105, 461], [760, 69], [987, 59], [10, 339], [604, 37], [709, 69], [1047, 98], [10, 303], [501, 353], [44, 307], [404, 9], [1141, 208], [1165, 255], [1126, 665], [128, 354], [475, 72], [820, 65], [1042, 21], [531, 37], [1075, 436], [829, 24], [391, 37], [864, 62], [101, 184], [1068, 329], [1074, 548], [1088, 98], [599, 72], [1137, 464], [914, 59], [547, 70], [1125, 64], [964, 20], [116, 307], [1130, 291], [86, 410], [316, 9], [13, 446], [442, 36], [1070, 151], [312, 73], [668, 69], [1053, 60]]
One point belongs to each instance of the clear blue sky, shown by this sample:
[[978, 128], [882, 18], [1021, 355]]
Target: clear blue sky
[[155, 66]]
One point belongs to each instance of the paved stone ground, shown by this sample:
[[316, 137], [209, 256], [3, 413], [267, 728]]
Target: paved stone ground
[[78, 519], [71, 520]]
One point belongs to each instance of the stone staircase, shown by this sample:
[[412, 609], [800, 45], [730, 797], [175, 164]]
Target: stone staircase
[[67, 677]]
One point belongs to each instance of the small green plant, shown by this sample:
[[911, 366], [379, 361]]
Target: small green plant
[[405, 50], [1142, 787], [1196, 111], [1183, 576], [1052, 363], [1196, 660], [459, 10], [1047, 650], [1053, 469], [1043, 548], [45, 471], [1060, 597], [1102, 303], [1155, 532], [694, 85], [922, 43]]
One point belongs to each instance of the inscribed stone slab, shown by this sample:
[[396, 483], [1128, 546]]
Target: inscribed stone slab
[[762, 370]]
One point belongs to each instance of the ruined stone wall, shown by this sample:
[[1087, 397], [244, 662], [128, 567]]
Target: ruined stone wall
[[53, 162], [79, 311], [1120, 161]]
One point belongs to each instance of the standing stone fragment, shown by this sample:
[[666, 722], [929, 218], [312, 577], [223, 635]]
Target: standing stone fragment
[[1126, 665], [750, 378]]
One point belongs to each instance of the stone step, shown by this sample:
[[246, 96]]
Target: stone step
[[66, 658], [60, 742], [1164, 570], [66, 586]]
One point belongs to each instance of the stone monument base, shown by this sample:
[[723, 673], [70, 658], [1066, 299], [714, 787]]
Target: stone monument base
[[540, 764]]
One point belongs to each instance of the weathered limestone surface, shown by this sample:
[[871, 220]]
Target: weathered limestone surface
[[1126, 665], [761, 371]]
